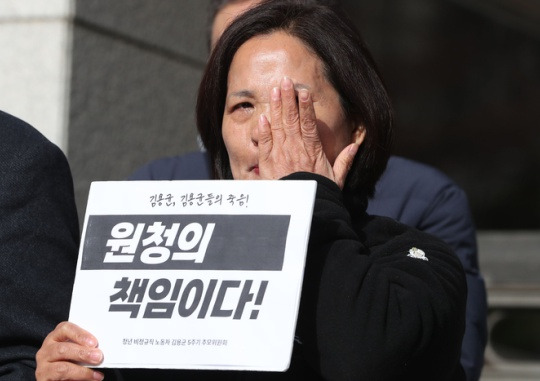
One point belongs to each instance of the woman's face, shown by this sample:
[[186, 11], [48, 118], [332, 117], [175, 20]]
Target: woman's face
[[259, 65]]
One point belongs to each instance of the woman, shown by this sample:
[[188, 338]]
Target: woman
[[290, 92]]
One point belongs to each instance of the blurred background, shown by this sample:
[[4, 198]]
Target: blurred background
[[113, 83]]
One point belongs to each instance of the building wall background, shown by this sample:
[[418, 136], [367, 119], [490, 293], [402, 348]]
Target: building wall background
[[35, 36], [135, 72]]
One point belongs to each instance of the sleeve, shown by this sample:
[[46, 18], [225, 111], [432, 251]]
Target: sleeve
[[373, 312], [449, 218], [39, 236], [143, 173]]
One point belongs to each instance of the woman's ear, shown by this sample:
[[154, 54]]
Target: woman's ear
[[358, 134]]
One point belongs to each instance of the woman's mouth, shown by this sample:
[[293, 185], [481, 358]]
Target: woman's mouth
[[255, 169]]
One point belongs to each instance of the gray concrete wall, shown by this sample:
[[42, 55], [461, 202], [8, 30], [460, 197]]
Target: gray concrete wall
[[35, 36], [135, 72]]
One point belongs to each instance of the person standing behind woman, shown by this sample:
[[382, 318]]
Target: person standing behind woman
[[280, 100]]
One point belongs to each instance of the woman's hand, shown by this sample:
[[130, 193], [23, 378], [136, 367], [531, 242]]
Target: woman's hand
[[292, 144], [62, 349]]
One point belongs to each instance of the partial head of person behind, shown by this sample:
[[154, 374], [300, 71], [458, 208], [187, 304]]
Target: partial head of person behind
[[334, 41], [222, 12]]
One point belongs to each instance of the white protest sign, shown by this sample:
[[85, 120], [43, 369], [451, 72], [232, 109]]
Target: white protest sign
[[193, 274]]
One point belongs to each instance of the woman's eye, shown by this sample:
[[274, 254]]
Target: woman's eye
[[242, 105]]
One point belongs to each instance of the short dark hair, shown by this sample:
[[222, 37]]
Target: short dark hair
[[348, 66]]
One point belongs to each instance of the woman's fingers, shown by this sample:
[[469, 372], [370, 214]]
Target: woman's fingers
[[67, 331], [62, 350], [292, 118], [343, 164], [308, 122], [290, 141], [276, 109], [64, 370], [289, 109], [265, 142]]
